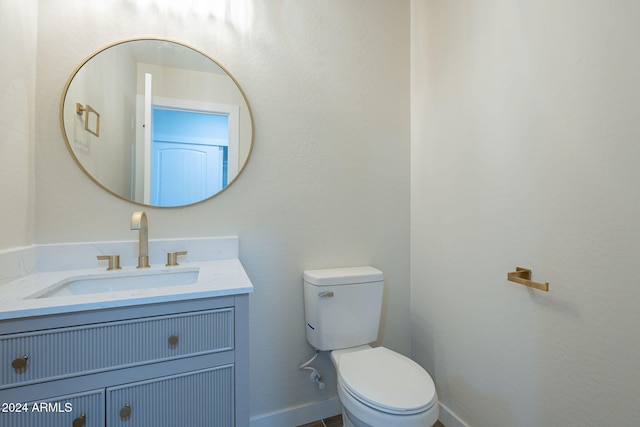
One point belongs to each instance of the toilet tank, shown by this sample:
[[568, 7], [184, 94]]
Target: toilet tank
[[342, 306]]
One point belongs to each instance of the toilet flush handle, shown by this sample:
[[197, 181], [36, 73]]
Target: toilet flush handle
[[326, 294]]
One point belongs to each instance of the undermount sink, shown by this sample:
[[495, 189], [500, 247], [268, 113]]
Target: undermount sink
[[120, 281]]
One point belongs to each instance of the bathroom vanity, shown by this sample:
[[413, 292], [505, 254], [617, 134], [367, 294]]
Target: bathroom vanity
[[163, 357]]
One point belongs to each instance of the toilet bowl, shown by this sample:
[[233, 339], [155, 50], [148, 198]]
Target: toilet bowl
[[379, 387], [376, 386]]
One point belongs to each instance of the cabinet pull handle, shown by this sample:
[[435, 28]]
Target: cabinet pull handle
[[125, 412], [173, 341], [19, 364], [80, 421]]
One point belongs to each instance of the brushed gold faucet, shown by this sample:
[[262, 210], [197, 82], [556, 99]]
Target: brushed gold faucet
[[139, 222]]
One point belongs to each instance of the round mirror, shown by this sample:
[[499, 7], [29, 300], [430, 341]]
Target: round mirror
[[156, 122]]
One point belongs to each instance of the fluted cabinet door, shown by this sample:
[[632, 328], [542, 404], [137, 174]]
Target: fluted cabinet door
[[77, 410], [202, 398]]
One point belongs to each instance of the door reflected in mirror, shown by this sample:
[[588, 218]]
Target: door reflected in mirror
[[175, 128]]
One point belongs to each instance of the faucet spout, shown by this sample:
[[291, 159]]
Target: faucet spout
[[139, 222]]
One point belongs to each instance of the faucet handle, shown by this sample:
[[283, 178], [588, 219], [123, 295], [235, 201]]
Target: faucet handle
[[114, 261], [172, 258]]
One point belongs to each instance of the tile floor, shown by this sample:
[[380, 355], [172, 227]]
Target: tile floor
[[336, 421]]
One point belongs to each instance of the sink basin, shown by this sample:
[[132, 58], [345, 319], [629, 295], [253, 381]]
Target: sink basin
[[120, 281]]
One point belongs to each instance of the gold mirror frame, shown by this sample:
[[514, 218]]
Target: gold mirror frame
[[83, 124]]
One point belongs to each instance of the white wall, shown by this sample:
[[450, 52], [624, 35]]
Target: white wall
[[106, 83], [18, 29], [327, 183], [525, 148]]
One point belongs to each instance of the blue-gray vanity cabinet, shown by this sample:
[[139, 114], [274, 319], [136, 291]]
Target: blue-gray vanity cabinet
[[161, 365]]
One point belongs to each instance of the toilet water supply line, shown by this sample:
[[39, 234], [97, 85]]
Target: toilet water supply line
[[315, 374]]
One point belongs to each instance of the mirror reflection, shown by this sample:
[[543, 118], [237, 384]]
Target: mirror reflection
[[156, 122]]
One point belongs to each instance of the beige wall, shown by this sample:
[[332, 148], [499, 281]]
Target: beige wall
[[18, 29], [327, 183], [524, 145], [525, 148]]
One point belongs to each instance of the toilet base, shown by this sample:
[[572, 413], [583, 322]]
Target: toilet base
[[349, 420], [346, 420], [356, 414]]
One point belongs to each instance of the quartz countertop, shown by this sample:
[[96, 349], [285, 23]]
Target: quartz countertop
[[215, 279], [219, 277]]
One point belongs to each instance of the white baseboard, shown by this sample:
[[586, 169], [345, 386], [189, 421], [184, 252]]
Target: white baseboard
[[292, 417], [449, 419]]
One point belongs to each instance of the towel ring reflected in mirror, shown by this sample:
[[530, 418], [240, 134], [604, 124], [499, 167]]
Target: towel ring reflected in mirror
[[174, 127]]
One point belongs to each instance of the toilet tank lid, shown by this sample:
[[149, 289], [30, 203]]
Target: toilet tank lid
[[343, 276]]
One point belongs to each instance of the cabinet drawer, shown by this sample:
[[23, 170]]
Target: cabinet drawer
[[58, 353], [85, 409], [196, 399]]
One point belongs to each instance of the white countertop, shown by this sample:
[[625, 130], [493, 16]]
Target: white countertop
[[216, 278]]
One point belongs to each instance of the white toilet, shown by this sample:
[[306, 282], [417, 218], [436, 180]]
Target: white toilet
[[376, 386]]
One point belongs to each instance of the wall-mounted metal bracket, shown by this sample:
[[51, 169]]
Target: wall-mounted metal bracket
[[523, 276]]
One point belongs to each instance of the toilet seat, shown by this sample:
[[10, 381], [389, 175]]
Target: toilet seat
[[387, 381]]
